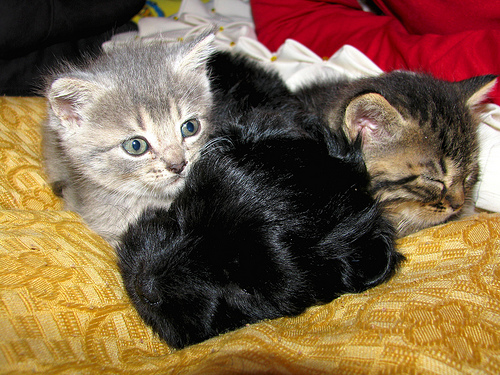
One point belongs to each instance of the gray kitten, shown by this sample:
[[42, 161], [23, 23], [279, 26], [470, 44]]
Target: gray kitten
[[124, 129]]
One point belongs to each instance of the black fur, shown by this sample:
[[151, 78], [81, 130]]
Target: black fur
[[275, 217], [241, 84]]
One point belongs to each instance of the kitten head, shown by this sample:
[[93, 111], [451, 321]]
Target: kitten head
[[419, 143], [134, 119]]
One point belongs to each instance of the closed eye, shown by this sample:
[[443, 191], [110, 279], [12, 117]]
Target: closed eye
[[433, 180], [412, 187], [470, 179], [381, 184], [435, 187]]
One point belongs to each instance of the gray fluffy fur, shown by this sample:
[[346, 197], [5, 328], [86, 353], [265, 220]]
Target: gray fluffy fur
[[138, 90]]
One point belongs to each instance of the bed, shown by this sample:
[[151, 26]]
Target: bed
[[63, 308]]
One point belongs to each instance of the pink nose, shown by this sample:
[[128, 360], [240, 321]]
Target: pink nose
[[177, 168]]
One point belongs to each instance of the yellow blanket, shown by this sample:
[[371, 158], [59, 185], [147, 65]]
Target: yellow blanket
[[63, 308]]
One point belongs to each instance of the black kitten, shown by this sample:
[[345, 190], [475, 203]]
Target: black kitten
[[239, 84], [273, 219]]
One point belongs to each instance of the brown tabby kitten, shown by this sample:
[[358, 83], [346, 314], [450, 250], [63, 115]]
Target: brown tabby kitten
[[418, 138]]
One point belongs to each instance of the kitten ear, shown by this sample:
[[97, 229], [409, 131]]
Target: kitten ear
[[372, 117], [68, 98], [199, 53], [477, 89]]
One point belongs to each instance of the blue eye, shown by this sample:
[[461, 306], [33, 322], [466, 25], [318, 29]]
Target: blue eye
[[190, 128], [135, 146]]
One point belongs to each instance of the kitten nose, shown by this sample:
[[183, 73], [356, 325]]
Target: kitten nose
[[147, 291], [456, 202], [177, 168]]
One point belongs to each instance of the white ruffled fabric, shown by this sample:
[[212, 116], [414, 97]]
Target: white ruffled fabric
[[297, 65]]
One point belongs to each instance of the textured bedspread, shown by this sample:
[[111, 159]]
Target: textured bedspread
[[63, 308]]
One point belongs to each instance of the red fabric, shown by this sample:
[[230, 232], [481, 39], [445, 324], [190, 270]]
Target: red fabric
[[443, 16], [324, 26]]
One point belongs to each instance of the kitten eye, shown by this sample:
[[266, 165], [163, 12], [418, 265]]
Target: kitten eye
[[135, 146], [433, 180], [436, 185], [470, 179], [190, 128]]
